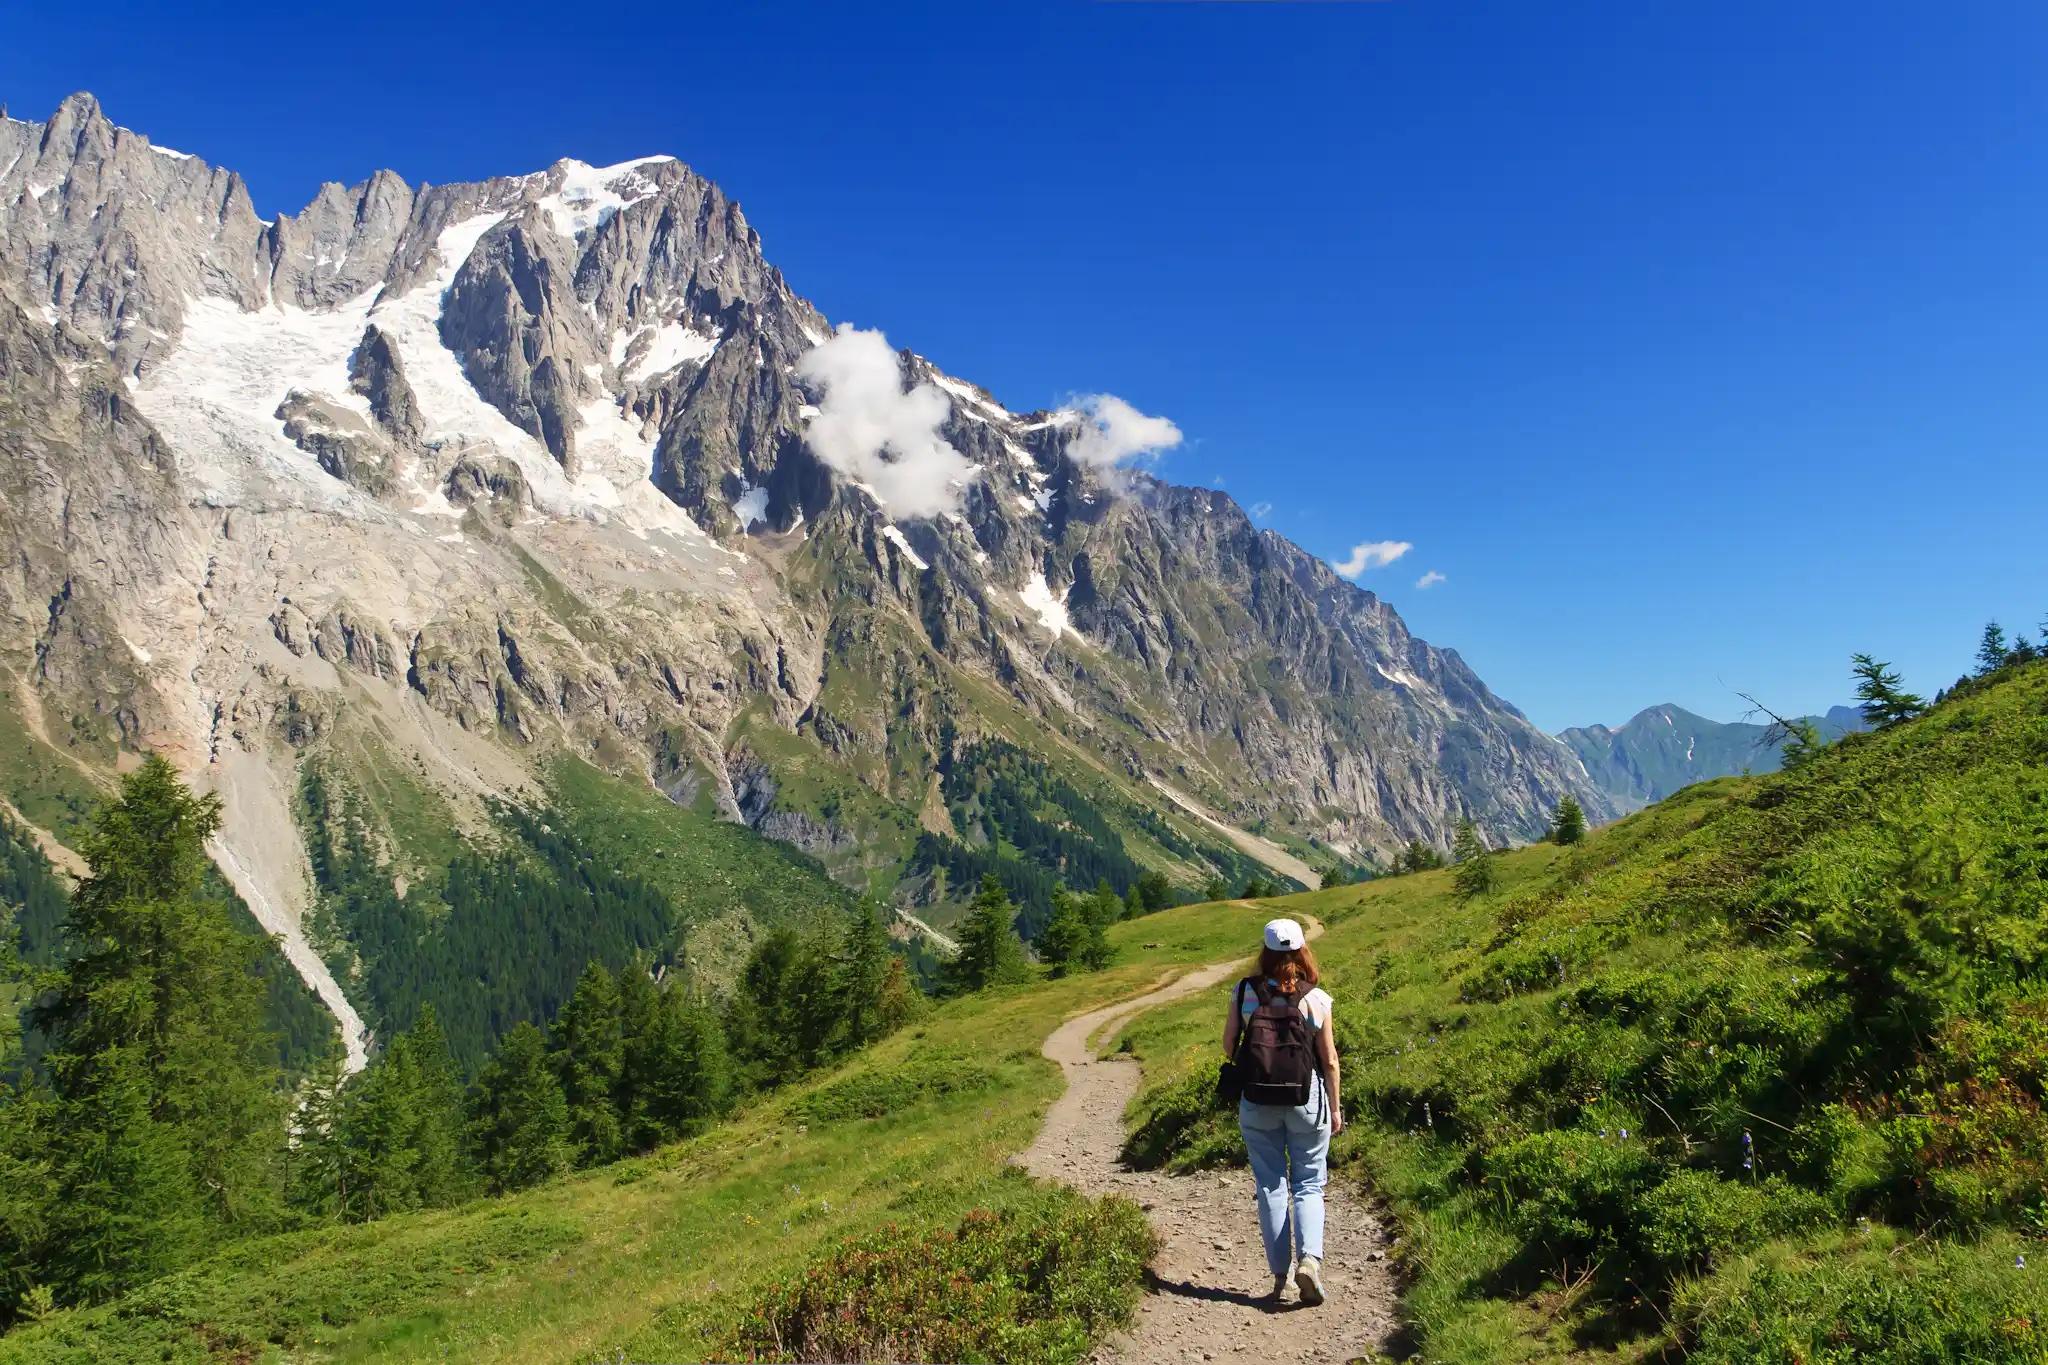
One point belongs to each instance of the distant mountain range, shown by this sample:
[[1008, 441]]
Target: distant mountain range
[[1664, 748]]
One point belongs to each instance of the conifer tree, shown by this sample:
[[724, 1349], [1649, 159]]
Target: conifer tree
[[1884, 701], [864, 959], [1992, 653], [1154, 891], [990, 952], [442, 1174], [519, 1121], [24, 1157], [1060, 942], [813, 1005], [900, 1000], [687, 1073], [1476, 874], [401, 1129], [639, 1004], [168, 1126], [589, 1053], [1570, 825], [1103, 909], [318, 1167], [761, 1021], [1418, 857]]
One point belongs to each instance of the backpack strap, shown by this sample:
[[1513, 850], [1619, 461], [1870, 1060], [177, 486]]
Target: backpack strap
[[1261, 988]]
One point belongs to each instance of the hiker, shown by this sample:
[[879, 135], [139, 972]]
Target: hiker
[[1282, 1064]]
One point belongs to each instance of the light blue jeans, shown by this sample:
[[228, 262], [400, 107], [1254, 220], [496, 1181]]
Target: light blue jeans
[[1290, 1153]]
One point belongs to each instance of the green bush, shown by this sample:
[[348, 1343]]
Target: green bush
[[1696, 1218], [1039, 1284], [1572, 1191], [1873, 1299]]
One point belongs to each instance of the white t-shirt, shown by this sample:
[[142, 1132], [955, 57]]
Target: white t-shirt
[[1314, 1007]]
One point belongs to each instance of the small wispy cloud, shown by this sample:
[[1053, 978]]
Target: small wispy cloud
[[1372, 554], [1261, 510], [1112, 434], [1429, 580]]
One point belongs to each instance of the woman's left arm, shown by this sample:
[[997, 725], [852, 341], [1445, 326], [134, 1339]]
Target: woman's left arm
[[1326, 1049]]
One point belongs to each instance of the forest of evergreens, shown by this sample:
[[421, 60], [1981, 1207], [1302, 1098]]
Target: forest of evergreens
[[155, 1117]]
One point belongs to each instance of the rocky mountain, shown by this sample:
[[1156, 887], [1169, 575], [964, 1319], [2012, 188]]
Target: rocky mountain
[[1664, 748], [431, 487]]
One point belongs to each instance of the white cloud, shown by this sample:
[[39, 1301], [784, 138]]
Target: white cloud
[[871, 431], [1429, 580], [1372, 554], [1113, 434], [1261, 510]]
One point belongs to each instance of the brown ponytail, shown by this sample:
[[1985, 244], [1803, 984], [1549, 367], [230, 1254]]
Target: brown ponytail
[[1270, 960]]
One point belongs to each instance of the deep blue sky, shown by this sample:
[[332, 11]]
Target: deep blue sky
[[1697, 343]]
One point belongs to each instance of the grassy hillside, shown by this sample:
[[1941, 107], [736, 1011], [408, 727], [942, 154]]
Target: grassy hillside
[[1756, 1074], [665, 1256]]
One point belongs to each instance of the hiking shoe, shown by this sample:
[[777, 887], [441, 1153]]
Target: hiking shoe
[[1308, 1278], [1279, 1287]]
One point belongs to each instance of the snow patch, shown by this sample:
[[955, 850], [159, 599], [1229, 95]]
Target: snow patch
[[902, 543], [673, 344], [1052, 611], [170, 152], [1400, 675], [590, 194], [991, 411]]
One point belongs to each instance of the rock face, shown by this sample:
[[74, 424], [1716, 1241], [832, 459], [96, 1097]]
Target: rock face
[[517, 466]]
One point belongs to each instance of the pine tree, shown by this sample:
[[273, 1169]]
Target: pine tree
[[1061, 941], [1884, 701], [990, 952], [168, 1125], [1476, 874], [318, 1167], [401, 1126], [1992, 653], [1154, 891], [688, 1072], [1570, 825], [589, 1050], [1418, 857], [900, 999], [812, 1005], [1215, 889], [864, 959], [519, 1121], [1102, 910], [639, 1010], [25, 1202], [442, 1174], [758, 1022]]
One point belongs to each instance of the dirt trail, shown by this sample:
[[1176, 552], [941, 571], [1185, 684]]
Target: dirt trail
[[1203, 1299]]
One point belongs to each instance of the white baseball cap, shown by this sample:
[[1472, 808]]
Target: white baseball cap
[[1283, 934]]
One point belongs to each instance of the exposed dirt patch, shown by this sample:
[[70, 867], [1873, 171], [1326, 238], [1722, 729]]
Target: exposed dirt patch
[[1204, 1300]]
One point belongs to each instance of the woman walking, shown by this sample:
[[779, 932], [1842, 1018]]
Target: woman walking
[[1278, 1037]]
